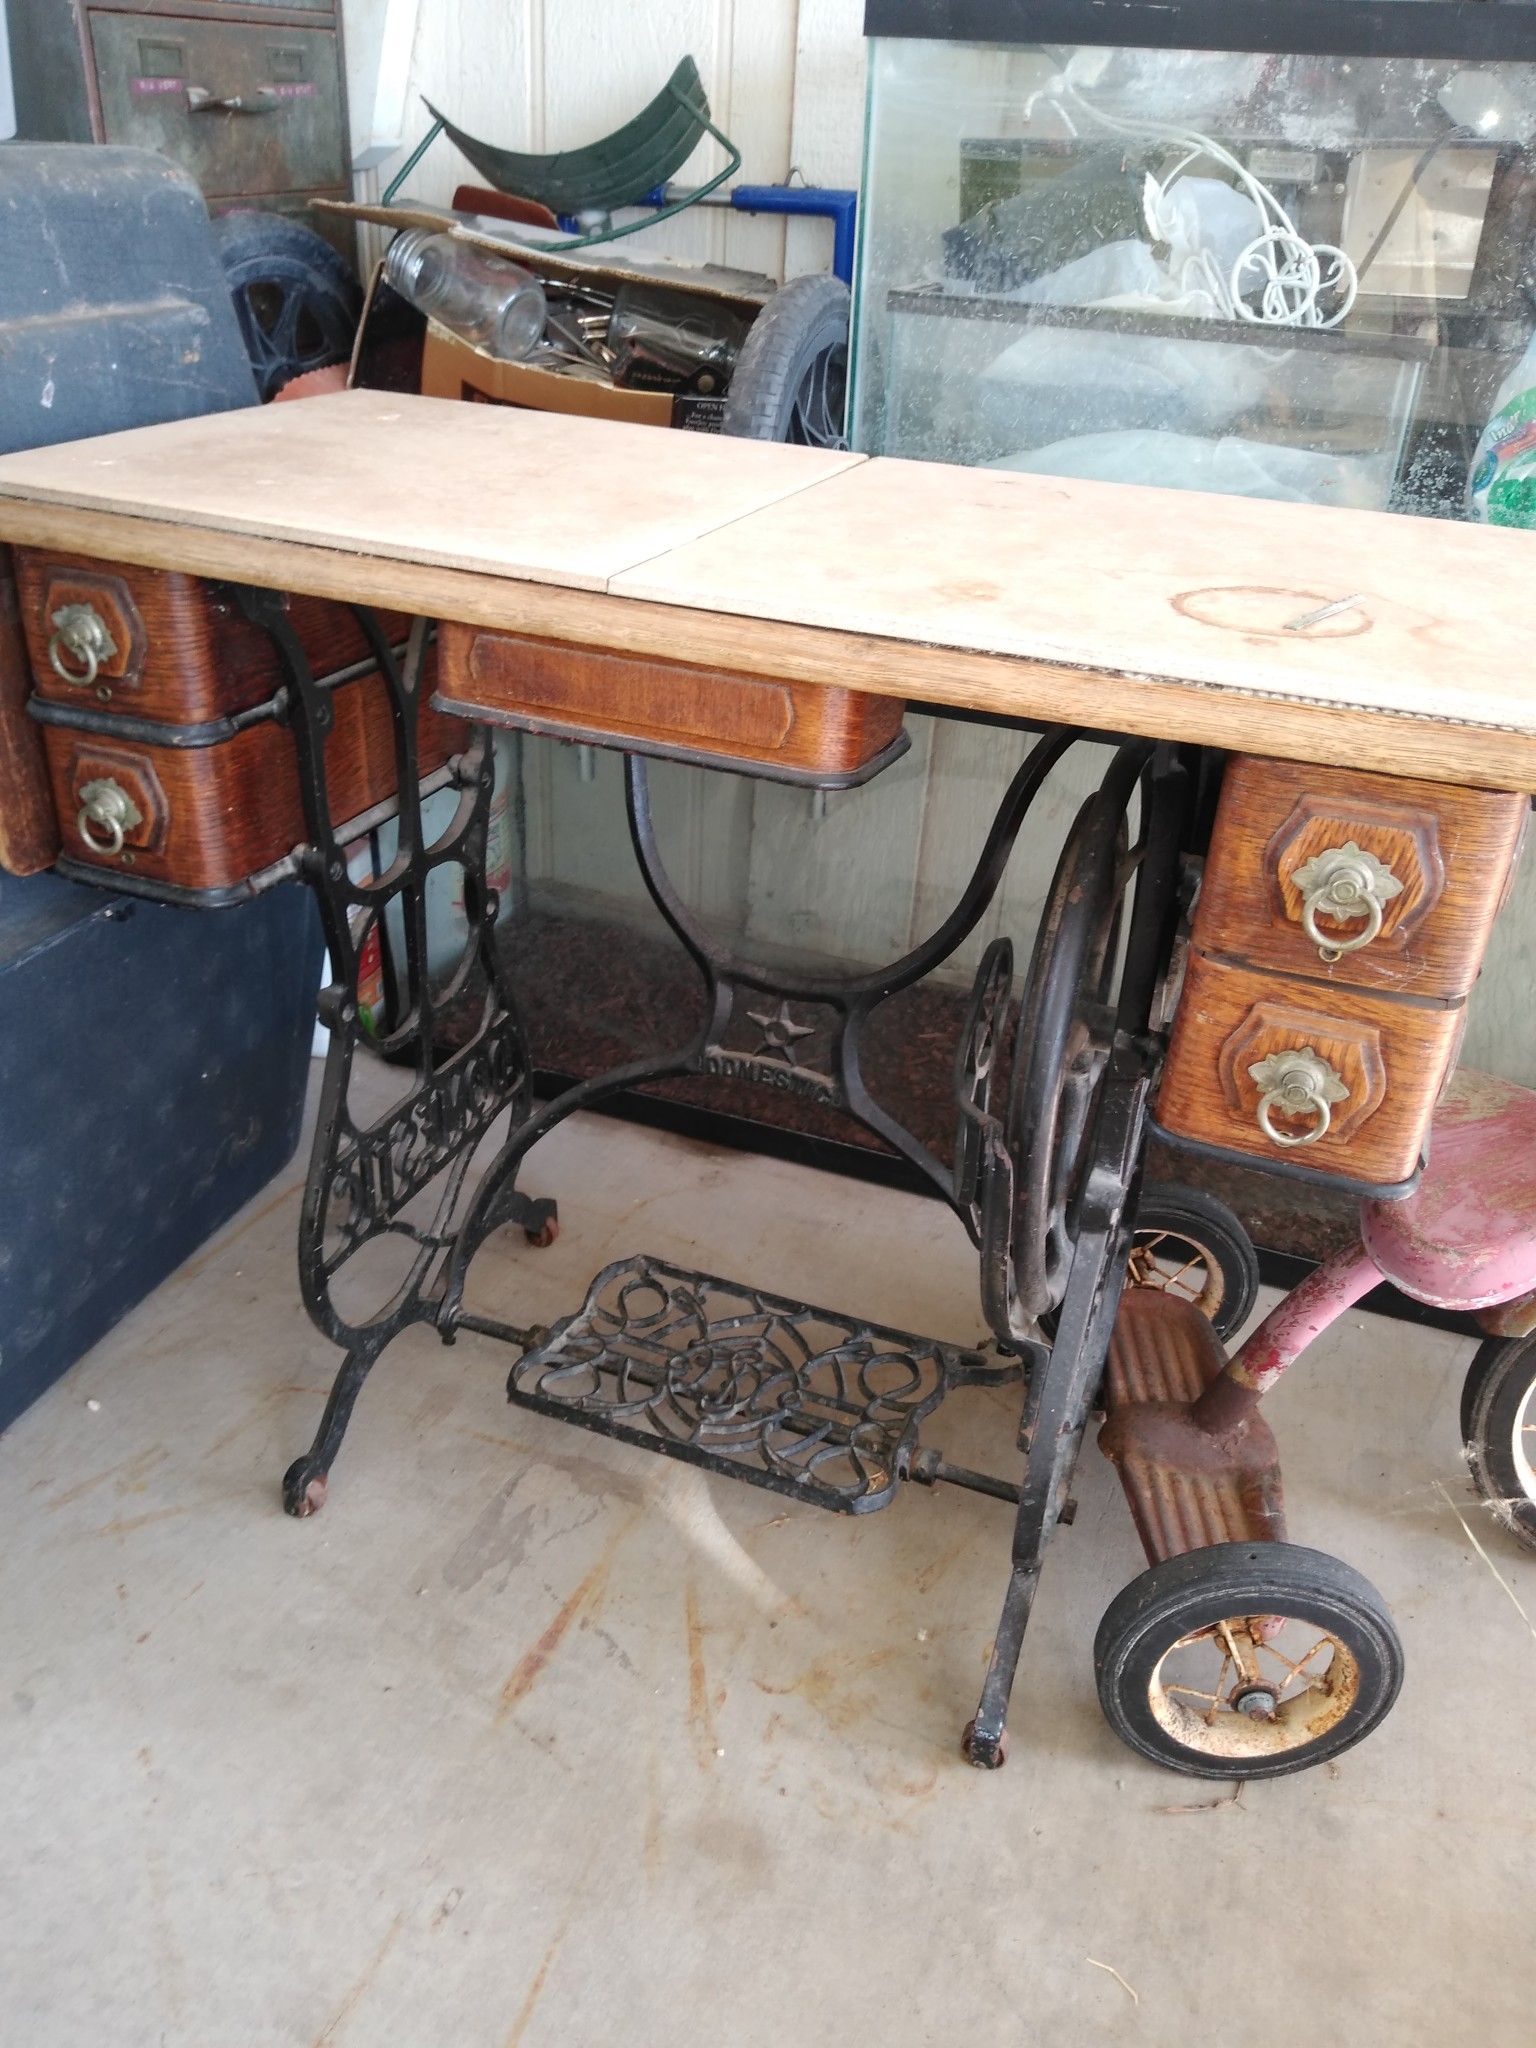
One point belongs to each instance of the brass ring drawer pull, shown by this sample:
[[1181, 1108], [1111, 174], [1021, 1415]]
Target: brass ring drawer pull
[[107, 806], [1343, 883], [1299, 1083], [81, 633]]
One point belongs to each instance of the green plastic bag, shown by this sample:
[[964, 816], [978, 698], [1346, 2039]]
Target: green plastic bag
[[1502, 488]]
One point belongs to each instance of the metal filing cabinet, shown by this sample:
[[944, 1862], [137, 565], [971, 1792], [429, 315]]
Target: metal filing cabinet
[[249, 98]]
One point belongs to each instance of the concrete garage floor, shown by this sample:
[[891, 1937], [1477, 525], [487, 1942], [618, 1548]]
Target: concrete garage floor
[[531, 1738]]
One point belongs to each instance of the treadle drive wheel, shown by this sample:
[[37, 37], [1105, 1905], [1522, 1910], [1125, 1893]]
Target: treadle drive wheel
[[1246, 1660], [1498, 1427], [976, 1064], [1189, 1243], [984, 1756], [790, 382], [1061, 1050], [304, 1489], [296, 300]]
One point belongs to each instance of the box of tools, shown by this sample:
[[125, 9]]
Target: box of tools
[[625, 338]]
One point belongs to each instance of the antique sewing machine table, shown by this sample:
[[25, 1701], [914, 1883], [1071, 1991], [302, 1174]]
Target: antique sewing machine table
[[768, 610]]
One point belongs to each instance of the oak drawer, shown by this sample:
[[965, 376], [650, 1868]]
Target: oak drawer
[[1329, 1080], [1399, 880], [209, 817], [161, 645], [794, 732]]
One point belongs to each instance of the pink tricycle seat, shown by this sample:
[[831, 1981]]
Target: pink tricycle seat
[[1466, 1237]]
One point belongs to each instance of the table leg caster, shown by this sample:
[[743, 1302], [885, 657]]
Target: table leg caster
[[307, 1479], [304, 1488], [537, 1216], [985, 1752]]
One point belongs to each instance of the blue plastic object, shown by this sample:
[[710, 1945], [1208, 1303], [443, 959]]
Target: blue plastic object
[[152, 1072], [823, 202], [820, 202]]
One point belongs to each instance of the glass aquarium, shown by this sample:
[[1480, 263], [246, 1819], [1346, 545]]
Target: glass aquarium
[[1295, 268]]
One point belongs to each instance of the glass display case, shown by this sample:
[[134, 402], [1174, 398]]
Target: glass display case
[[1284, 250]]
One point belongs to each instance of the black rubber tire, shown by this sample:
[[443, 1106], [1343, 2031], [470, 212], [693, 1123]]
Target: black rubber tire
[[295, 299], [1494, 1397], [1210, 1227], [1201, 1587], [790, 382]]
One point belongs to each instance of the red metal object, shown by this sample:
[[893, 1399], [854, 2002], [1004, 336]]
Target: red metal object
[[493, 205], [1198, 1463], [1466, 1237], [314, 383], [1305, 1313]]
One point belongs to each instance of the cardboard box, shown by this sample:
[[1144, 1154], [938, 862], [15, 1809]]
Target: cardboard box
[[604, 266], [440, 365], [451, 368]]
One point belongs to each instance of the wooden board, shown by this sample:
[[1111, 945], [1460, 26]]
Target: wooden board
[[994, 685], [1122, 579], [489, 488], [1150, 612]]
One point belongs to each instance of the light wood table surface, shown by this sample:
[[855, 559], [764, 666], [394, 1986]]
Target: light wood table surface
[[1143, 611]]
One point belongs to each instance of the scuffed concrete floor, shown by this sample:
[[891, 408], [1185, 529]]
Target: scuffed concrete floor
[[531, 1738]]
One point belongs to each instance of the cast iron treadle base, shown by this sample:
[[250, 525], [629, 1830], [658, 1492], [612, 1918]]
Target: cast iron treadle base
[[809, 1403]]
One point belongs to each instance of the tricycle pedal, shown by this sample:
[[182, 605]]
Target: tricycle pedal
[[1188, 1484]]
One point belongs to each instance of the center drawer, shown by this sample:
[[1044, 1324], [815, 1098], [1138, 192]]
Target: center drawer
[[792, 732]]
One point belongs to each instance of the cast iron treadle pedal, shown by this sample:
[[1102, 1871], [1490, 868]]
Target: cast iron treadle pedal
[[815, 1405], [1187, 1487]]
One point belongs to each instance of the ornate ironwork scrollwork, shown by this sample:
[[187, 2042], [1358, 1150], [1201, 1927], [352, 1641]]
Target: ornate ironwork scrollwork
[[366, 1178], [808, 1402]]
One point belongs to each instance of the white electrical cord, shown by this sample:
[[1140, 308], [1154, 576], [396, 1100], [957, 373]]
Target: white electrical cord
[[1285, 274]]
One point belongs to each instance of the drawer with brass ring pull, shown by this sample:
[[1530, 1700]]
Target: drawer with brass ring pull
[[203, 811], [153, 643], [1374, 880], [1327, 1081]]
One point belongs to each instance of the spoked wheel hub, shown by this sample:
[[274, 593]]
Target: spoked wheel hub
[[1253, 1687], [1159, 1259], [1190, 1244]]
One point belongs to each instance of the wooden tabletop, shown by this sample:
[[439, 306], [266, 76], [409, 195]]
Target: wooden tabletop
[[1168, 613]]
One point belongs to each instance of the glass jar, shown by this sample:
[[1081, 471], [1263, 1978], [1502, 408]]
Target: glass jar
[[489, 301]]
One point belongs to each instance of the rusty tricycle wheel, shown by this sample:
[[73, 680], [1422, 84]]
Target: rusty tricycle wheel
[[1190, 1244], [1498, 1426], [1247, 1660]]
